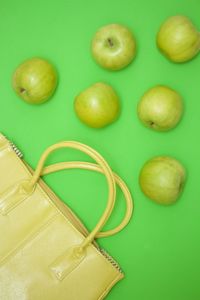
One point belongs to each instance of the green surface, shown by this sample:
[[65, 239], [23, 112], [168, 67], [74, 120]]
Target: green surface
[[159, 250]]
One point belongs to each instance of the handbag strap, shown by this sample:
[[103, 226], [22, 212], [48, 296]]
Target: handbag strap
[[97, 168], [106, 170]]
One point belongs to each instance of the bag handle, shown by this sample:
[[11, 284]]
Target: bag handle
[[106, 170], [94, 167]]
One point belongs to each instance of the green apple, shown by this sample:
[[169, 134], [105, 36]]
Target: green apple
[[35, 80], [160, 108], [178, 39], [113, 47], [98, 105], [162, 179]]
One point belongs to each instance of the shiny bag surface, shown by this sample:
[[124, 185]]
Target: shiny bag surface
[[46, 253]]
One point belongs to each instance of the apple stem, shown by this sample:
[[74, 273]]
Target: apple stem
[[22, 90], [110, 42]]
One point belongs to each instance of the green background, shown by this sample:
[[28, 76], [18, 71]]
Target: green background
[[160, 250]]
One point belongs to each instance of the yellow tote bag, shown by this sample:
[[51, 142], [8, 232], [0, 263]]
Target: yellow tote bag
[[46, 253]]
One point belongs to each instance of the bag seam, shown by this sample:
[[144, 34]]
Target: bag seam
[[103, 295], [28, 239]]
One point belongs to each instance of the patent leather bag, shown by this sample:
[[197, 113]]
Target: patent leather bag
[[46, 253]]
